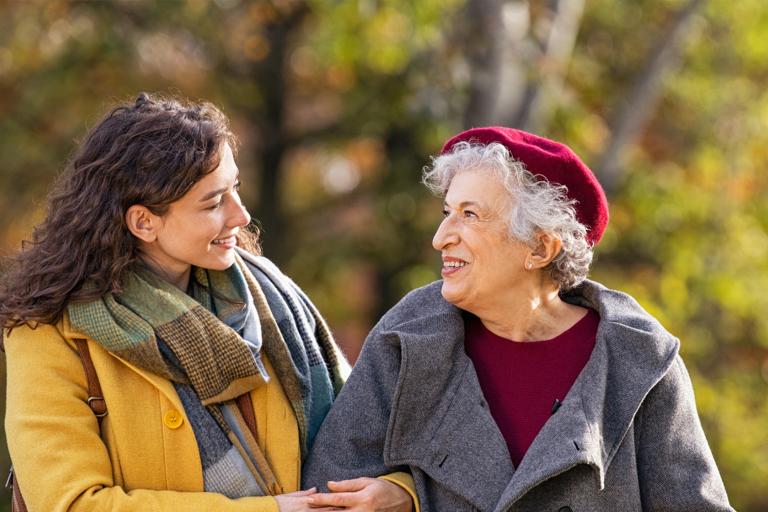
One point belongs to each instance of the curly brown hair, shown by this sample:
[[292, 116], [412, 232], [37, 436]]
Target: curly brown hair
[[150, 151]]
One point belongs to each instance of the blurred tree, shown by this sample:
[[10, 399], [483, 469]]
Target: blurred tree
[[485, 33], [542, 92], [642, 100], [688, 237], [339, 104]]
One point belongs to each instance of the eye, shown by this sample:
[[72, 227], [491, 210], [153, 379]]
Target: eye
[[470, 214], [236, 187], [446, 212], [217, 205]]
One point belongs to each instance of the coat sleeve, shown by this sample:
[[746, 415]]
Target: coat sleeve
[[60, 461], [676, 469], [350, 443]]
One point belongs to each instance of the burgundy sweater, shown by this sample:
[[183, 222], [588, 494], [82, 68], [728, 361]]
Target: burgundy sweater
[[522, 380]]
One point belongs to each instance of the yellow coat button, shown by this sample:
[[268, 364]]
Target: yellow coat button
[[173, 419]]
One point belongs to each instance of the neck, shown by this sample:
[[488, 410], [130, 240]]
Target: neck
[[539, 314], [177, 277]]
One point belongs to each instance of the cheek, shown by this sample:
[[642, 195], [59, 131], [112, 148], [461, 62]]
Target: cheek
[[493, 260], [205, 227], [191, 233]]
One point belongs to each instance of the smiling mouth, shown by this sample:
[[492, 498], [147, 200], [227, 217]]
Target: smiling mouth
[[228, 241], [452, 265]]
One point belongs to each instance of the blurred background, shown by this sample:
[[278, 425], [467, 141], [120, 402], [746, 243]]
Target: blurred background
[[339, 104]]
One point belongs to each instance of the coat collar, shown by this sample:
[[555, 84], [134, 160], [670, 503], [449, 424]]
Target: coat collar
[[442, 425], [436, 406], [163, 385]]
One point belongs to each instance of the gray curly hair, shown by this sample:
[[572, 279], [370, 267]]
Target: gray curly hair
[[536, 204]]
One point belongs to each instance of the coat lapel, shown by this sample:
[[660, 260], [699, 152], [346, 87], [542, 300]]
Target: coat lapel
[[566, 440], [632, 353], [442, 423], [163, 385]]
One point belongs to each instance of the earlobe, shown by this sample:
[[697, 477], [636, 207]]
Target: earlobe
[[141, 223]]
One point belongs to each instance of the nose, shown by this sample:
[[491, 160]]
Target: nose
[[445, 235], [239, 216]]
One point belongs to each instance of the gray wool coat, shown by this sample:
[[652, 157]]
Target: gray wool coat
[[626, 438]]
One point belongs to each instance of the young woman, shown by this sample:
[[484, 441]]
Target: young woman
[[215, 368]]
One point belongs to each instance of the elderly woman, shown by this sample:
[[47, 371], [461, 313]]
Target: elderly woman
[[516, 384]]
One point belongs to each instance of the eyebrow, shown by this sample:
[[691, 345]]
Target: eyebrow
[[464, 203], [218, 191]]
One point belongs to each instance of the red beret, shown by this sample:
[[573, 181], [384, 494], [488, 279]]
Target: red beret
[[554, 161]]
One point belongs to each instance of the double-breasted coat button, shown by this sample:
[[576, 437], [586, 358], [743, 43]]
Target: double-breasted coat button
[[565, 509], [173, 419]]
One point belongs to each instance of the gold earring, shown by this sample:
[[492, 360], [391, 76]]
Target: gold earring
[[529, 265]]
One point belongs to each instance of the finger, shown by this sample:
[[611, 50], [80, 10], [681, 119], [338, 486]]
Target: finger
[[353, 485], [340, 499], [306, 492]]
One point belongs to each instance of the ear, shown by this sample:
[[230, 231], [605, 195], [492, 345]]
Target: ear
[[545, 249], [142, 223]]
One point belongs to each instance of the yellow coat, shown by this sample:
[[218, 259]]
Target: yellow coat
[[144, 458]]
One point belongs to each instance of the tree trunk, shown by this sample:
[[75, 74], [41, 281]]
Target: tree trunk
[[542, 95], [636, 110], [270, 212], [485, 36]]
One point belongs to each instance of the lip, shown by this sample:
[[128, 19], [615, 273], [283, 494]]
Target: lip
[[227, 242], [450, 271]]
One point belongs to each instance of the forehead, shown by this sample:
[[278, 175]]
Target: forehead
[[481, 186], [227, 167], [225, 173]]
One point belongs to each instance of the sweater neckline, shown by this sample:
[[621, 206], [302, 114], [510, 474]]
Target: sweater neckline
[[585, 325]]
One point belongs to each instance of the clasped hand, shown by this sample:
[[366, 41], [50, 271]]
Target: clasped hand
[[357, 495]]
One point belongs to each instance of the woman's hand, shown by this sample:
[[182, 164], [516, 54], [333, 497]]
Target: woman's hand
[[299, 501], [364, 495]]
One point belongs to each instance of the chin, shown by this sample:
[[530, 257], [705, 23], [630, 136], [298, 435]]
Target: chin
[[462, 298], [450, 294], [219, 263]]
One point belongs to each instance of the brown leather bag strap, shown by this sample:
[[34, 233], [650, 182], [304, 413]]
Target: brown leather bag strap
[[17, 500], [95, 396], [269, 482], [246, 409], [95, 401]]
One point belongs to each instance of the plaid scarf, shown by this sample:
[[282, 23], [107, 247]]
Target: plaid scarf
[[209, 344]]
